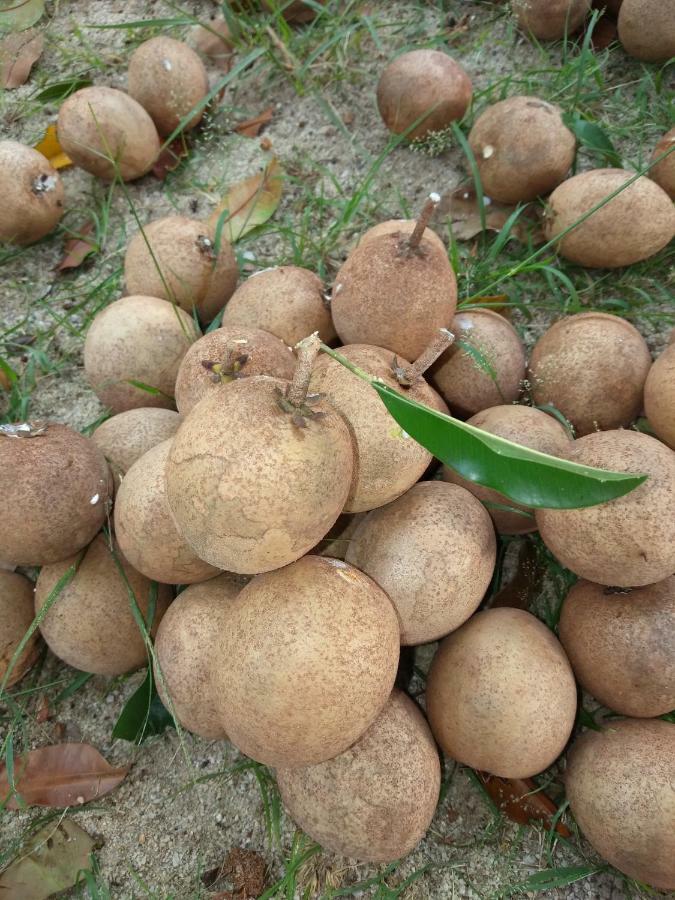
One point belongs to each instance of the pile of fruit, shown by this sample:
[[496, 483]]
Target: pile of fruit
[[310, 535]]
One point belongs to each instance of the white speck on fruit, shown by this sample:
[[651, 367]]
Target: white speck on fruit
[[434, 197], [488, 151], [94, 500], [166, 64]]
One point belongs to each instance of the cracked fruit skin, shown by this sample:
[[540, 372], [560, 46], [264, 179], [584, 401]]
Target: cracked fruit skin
[[250, 490]]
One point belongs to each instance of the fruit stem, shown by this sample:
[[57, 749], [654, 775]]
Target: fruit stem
[[308, 350], [348, 364], [430, 205], [408, 375]]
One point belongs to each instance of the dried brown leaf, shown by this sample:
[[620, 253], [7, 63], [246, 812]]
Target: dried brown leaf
[[521, 801], [18, 53], [171, 157], [250, 202], [251, 127], [244, 869], [77, 249], [461, 207], [526, 583]]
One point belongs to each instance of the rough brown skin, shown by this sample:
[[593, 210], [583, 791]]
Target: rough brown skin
[[501, 695], [266, 355], [592, 367], [523, 425], [660, 396], [387, 462], [16, 616], [91, 626], [287, 301], [550, 20], [461, 378], [422, 84], [647, 29], [622, 645], [376, 800], [619, 784], [183, 267], [404, 227], [168, 79], [387, 297], [629, 541], [251, 491], [306, 663], [433, 552], [100, 125], [185, 649], [55, 491], [663, 173], [32, 194], [139, 339], [633, 226], [124, 438], [145, 529], [522, 148], [214, 42]]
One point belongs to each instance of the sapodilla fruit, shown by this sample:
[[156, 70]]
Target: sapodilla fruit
[[647, 29], [660, 396], [259, 471], [401, 227], [663, 172], [32, 194], [16, 616], [124, 438], [550, 20]]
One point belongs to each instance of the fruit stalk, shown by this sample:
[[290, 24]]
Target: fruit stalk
[[407, 375], [308, 350], [423, 220]]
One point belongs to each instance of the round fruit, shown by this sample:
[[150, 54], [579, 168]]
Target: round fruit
[[137, 339], [403, 228], [182, 265], [619, 785], [104, 131], [91, 626], [525, 426], [647, 29], [629, 541], [16, 617], [663, 173], [168, 79], [287, 301], [376, 800], [522, 148], [634, 225], [660, 396], [145, 529], [484, 367], [32, 193], [185, 649], [592, 367], [433, 551], [214, 41], [228, 353], [621, 645], [55, 487], [306, 663], [501, 695], [550, 20], [124, 438], [424, 85]]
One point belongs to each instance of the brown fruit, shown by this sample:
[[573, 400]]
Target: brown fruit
[[168, 79], [501, 695], [629, 541], [55, 488], [633, 226], [306, 663], [433, 551], [376, 800], [550, 20], [663, 173], [660, 396], [183, 266], [185, 649], [619, 785], [101, 126], [621, 645], [423, 84], [145, 529], [137, 339], [525, 426], [522, 148], [91, 626], [214, 42], [287, 301], [403, 227], [647, 29], [16, 616], [231, 353], [484, 367], [592, 367], [32, 193], [124, 438]]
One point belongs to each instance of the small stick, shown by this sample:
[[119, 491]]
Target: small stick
[[289, 62], [408, 375], [423, 220], [308, 350]]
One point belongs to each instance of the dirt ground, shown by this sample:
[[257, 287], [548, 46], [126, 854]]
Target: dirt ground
[[159, 830]]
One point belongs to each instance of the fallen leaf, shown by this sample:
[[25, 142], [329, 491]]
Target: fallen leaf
[[171, 157], [525, 584], [251, 127], [78, 248], [461, 207], [43, 710], [521, 801], [18, 54], [60, 775], [244, 869], [144, 715], [214, 42], [48, 863], [17, 15], [249, 203], [49, 146]]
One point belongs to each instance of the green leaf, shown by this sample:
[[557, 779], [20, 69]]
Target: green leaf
[[248, 203], [524, 475], [144, 715], [59, 90], [594, 139], [550, 879], [148, 388]]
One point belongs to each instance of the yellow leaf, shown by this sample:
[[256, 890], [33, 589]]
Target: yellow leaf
[[249, 203], [49, 146]]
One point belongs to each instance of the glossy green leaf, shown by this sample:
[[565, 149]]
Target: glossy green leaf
[[524, 475], [144, 715], [594, 139]]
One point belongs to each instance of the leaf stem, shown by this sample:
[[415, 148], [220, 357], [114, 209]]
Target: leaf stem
[[347, 363]]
